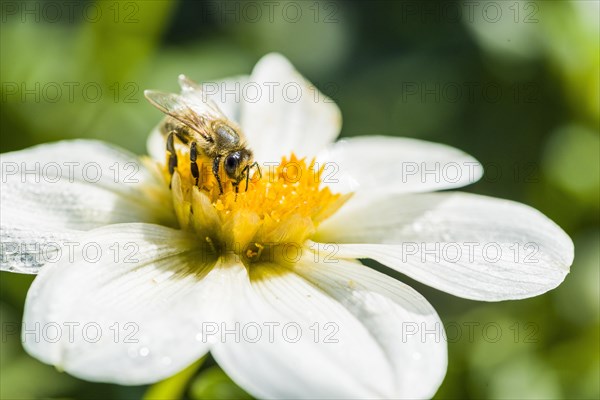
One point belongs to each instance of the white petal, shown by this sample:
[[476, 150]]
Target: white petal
[[396, 164], [226, 93], [52, 191], [136, 313], [471, 246], [156, 145], [282, 112], [361, 335]]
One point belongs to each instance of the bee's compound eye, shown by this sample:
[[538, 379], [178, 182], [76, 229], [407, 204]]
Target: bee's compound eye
[[232, 161]]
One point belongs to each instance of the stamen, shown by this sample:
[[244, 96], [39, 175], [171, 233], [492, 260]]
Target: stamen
[[282, 206]]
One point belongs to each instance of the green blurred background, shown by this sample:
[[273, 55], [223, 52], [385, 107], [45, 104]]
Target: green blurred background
[[514, 83]]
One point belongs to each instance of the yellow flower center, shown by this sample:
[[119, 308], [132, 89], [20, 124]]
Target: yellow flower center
[[268, 221]]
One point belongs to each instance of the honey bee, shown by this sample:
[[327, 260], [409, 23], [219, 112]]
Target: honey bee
[[198, 122]]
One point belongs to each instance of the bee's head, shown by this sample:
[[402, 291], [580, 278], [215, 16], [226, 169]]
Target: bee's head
[[236, 164]]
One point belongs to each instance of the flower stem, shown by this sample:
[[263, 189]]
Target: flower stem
[[174, 386]]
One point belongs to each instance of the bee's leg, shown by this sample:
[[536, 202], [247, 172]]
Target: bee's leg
[[172, 155], [193, 164], [247, 169], [215, 170]]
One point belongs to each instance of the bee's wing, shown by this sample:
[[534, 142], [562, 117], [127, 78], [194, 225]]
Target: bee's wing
[[195, 94], [193, 114], [188, 85]]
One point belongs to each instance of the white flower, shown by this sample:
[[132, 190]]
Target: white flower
[[149, 279]]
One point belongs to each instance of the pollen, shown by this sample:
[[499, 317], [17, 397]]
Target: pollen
[[270, 217]]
